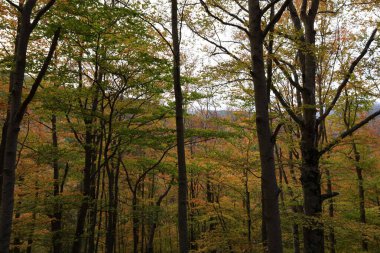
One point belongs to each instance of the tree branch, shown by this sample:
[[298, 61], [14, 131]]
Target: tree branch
[[221, 20], [222, 48], [291, 113], [276, 17], [268, 6], [40, 76], [234, 16], [275, 133], [348, 132], [287, 75], [329, 196], [19, 8], [40, 13], [347, 77]]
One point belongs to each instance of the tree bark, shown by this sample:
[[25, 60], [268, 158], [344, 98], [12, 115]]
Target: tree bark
[[56, 223], [180, 128], [331, 213], [153, 226], [135, 223], [359, 174], [268, 179]]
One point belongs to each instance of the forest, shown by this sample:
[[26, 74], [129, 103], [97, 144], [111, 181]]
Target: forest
[[214, 126]]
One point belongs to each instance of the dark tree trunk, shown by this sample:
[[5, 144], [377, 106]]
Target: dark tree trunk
[[2, 151], [94, 189], [113, 179], [248, 209], [310, 173], [135, 223], [359, 175], [153, 226], [180, 128], [268, 179], [56, 223], [110, 236], [142, 215], [13, 129], [86, 193], [16, 110], [331, 213]]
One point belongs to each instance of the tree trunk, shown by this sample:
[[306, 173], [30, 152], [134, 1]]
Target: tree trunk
[[331, 213], [113, 177], [180, 128], [153, 226], [310, 173], [56, 223], [268, 179], [135, 223], [248, 209], [2, 151], [86, 193], [13, 129], [359, 174]]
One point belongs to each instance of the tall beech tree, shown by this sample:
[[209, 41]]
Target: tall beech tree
[[304, 22], [264, 94], [180, 128], [256, 34], [266, 138], [17, 107]]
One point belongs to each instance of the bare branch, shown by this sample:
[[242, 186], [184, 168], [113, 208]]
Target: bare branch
[[268, 6], [40, 13], [142, 176], [222, 48], [347, 77], [276, 17], [329, 196], [234, 16], [159, 33], [241, 6], [19, 8], [206, 8], [275, 133], [40, 76], [348, 132], [295, 83], [291, 113]]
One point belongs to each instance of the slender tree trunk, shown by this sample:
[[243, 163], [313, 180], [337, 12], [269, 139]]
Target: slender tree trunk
[[99, 225], [142, 217], [86, 193], [110, 236], [2, 151], [180, 128], [113, 177], [135, 223], [153, 226], [13, 128], [248, 209], [56, 223], [268, 179], [359, 175], [16, 110], [331, 213]]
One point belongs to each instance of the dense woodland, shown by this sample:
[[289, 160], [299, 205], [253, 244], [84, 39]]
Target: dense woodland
[[210, 126]]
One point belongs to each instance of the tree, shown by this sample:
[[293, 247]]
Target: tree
[[182, 177], [17, 107], [309, 121]]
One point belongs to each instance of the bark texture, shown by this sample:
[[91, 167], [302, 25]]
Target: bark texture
[[182, 177], [269, 184]]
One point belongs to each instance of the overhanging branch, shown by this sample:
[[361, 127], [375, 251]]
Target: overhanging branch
[[347, 77], [348, 132]]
